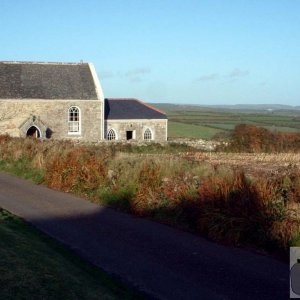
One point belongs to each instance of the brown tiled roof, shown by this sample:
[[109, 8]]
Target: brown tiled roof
[[32, 80], [130, 108]]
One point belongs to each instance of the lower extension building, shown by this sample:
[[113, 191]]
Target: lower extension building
[[66, 101]]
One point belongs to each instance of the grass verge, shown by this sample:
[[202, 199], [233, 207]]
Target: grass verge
[[34, 266], [218, 201]]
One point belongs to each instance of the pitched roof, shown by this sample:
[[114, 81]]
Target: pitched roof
[[33, 80], [129, 108]]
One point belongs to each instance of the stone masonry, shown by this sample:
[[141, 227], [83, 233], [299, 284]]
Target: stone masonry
[[158, 129], [54, 115]]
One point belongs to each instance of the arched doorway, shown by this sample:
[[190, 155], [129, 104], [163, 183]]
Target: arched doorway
[[33, 132], [34, 127]]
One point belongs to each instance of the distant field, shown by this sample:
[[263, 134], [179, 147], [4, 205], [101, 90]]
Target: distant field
[[176, 129], [205, 123]]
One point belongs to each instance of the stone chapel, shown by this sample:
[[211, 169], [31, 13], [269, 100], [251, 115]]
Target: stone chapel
[[66, 101]]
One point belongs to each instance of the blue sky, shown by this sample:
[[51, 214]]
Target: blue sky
[[203, 52]]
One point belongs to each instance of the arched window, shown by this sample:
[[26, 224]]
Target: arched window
[[148, 135], [111, 135], [74, 120]]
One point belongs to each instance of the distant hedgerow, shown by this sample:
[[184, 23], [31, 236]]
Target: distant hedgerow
[[249, 138]]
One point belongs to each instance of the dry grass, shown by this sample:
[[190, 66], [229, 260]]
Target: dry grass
[[250, 162], [218, 195]]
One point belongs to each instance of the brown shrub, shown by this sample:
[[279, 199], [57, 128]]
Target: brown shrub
[[236, 209], [228, 207], [76, 170], [249, 138], [148, 190], [219, 202]]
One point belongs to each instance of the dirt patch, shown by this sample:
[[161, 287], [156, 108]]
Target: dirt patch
[[250, 162]]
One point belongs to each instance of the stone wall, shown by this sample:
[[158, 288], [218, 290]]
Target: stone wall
[[138, 127], [196, 143], [53, 114]]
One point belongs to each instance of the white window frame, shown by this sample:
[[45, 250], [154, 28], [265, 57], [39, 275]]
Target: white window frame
[[115, 133], [74, 124], [146, 131]]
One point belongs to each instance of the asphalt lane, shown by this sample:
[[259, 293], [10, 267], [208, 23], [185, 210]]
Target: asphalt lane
[[160, 261]]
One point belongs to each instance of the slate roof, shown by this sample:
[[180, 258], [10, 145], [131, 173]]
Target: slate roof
[[31, 80], [129, 108]]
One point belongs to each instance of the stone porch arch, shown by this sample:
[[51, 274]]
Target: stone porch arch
[[34, 122], [34, 131]]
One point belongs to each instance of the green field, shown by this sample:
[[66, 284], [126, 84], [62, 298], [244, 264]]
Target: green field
[[178, 129], [207, 122], [34, 266]]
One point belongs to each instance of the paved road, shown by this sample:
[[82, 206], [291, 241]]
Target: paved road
[[161, 261]]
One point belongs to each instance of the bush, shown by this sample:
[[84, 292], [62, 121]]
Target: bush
[[77, 170], [249, 138], [118, 198], [221, 203]]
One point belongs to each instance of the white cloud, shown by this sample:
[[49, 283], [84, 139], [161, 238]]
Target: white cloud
[[137, 71], [233, 75], [237, 73], [134, 75], [209, 77]]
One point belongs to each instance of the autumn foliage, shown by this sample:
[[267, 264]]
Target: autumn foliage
[[249, 138], [220, 202], [78, 169]]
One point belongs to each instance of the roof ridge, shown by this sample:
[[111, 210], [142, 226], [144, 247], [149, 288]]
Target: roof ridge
[[41, 62], [121, 99], [151, 107]]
